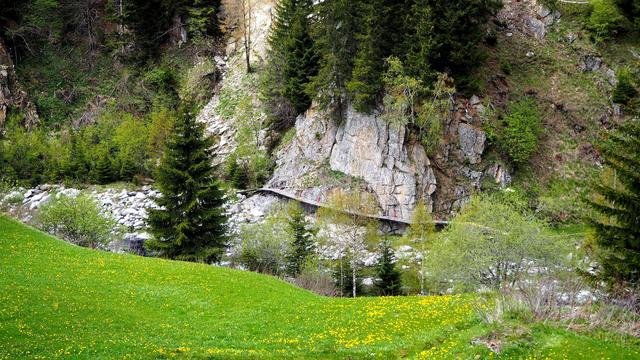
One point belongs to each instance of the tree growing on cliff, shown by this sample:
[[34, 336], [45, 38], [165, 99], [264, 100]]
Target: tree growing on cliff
[[459, 27], [292, 53], [335, 34], [366, 83], [616, 202], [190, 223]]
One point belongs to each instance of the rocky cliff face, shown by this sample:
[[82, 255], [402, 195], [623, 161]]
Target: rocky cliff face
[[397, 171], [384, 160], [365, 153]]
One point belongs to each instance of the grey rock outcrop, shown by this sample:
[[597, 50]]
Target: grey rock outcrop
[[365, 147], [590, 63], [472, 142], [528, 17]]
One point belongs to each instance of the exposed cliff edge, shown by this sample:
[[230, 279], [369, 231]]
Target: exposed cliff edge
[[383, 159]]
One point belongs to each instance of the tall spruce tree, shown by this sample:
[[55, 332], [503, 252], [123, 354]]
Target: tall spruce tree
[[190, 224], [617, 205], [459, 28], [383, 27], [292, 52], [418, 41], [104, 169], [335, 28], [388, 282], [366, 82]]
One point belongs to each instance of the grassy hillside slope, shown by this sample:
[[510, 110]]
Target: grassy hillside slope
[[62, 301]]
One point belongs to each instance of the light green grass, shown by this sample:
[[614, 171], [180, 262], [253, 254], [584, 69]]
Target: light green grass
[[61, 301]]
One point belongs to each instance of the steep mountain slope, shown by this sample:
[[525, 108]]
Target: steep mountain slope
[[543, 55]]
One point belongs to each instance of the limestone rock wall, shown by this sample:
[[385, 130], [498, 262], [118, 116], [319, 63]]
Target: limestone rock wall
[[388, 162], [397, 171]]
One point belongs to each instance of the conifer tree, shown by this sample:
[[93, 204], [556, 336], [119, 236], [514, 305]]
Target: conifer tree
[[335, 29], [418, 41], [388, 282], [191, 224], [617, 207], [293, 54], [303, 241], [76, 165], [459, 27], [103, 170], [366, 83]]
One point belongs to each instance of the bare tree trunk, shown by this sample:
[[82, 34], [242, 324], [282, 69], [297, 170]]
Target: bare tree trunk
[[353, 278], [246, 30], [341, 278]]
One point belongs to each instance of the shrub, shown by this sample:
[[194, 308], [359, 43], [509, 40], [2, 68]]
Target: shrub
[[493, 243], [492, 38], [605, 20], [624, 90], [316, 281], [520, 135], [505, 67], [78, 220], [264, 247]]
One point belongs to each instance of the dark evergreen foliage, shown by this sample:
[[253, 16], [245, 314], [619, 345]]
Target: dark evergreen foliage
[[624, 91], [337, 23], [191, 224], [388, 282], [303, 242], [617, 204], [459, 28], [293, 54], [418, 41], [366, 81], [151, 21], [631, 9], [104, 170]]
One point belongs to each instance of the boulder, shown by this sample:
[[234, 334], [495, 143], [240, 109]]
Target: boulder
[[537, 28], [590, 63]]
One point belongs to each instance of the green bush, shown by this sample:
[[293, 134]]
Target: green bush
[[624, 91], [78, 220], [605, 20], [493, 243], [523, 126], [264, 247], [505, 67], [492, 38]]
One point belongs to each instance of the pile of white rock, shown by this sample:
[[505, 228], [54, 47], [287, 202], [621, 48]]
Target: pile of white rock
[[127, 207]]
